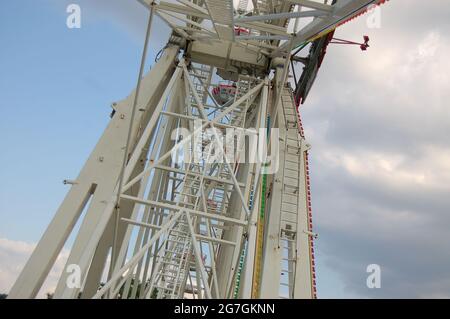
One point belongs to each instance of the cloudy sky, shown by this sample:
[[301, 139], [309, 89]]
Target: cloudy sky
[[379, 123]]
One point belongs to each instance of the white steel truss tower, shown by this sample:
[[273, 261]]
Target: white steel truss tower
[[164, 210]]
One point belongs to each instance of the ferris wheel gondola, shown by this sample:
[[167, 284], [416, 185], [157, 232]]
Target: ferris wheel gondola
[[224, 92]]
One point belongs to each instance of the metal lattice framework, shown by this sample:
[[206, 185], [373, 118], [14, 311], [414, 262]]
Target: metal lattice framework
[[164, 210]]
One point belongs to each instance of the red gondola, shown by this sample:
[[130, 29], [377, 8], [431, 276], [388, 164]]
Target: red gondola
[[224, 92]]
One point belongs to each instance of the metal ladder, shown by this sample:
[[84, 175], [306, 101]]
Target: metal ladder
[[290, 194], [176, 261], [243, 85], [201, 75], [242, 6], [263, 7], [176, 257]]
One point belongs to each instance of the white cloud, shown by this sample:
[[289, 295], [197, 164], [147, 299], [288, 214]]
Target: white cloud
[[13, 256], [379, 125]]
